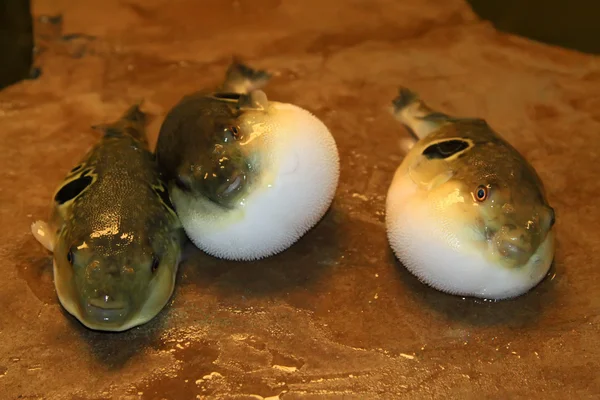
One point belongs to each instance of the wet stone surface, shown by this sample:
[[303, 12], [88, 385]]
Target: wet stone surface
[[335, 316]]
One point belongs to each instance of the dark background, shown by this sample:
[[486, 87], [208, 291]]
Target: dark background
[[573, 24]]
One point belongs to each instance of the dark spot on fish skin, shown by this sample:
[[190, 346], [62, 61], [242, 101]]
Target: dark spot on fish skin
[[72, 189], [445, 149], [161, 191], [228, 96]]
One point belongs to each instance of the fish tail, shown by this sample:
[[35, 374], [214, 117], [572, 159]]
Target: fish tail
[[135, 115], [133, 123], [405, 98], [241, 78], [414, 114]]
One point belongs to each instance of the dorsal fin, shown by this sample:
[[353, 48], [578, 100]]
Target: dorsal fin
[[133, 123]]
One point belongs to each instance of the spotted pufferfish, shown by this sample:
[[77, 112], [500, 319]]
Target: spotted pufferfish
[[465, 212], [115, 237]]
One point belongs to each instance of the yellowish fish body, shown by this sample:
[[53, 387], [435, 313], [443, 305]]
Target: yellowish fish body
[[466, 213], [115, 238]]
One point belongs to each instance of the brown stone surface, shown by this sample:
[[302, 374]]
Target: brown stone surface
[[335, 316]]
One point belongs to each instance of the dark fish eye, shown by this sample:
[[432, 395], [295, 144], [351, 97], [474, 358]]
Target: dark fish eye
[[70, 257], [552, 217], [481, 193], [155, 263], [235, 131]]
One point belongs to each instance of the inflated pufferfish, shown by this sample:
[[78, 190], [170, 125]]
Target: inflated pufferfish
[[247, 176], [466, 213], [115, 237]]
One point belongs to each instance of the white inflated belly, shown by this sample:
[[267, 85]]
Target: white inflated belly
[[289, 200], [420, 238]]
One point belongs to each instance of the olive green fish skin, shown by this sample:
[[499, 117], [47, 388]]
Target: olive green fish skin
[[118, 242], [200, 144], [516, 198], [491, 160], [198, 148]]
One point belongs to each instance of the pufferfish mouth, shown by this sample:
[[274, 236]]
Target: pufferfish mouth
[[107, 312], [511, 250], [231, 185]]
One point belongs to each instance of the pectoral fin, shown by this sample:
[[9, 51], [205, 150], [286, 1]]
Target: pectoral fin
[[429, 174], [42, 232]]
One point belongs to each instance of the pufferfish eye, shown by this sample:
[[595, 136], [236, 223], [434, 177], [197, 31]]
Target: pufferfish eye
[[232, 133], [70, 257], [155, 263], [481, 193]]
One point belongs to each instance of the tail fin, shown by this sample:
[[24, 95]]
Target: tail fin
[[405, 98], [240, 78], [412, 112], [133, 122], [135, 115]]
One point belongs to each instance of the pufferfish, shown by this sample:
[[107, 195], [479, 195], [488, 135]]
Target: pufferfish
[[248, 176], [465, 212], [115, 237]]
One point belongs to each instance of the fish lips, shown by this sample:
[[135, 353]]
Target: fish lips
[[514, 251], [231, 187], [510, 250], [107, 312], [227, 193], [222, 188]]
